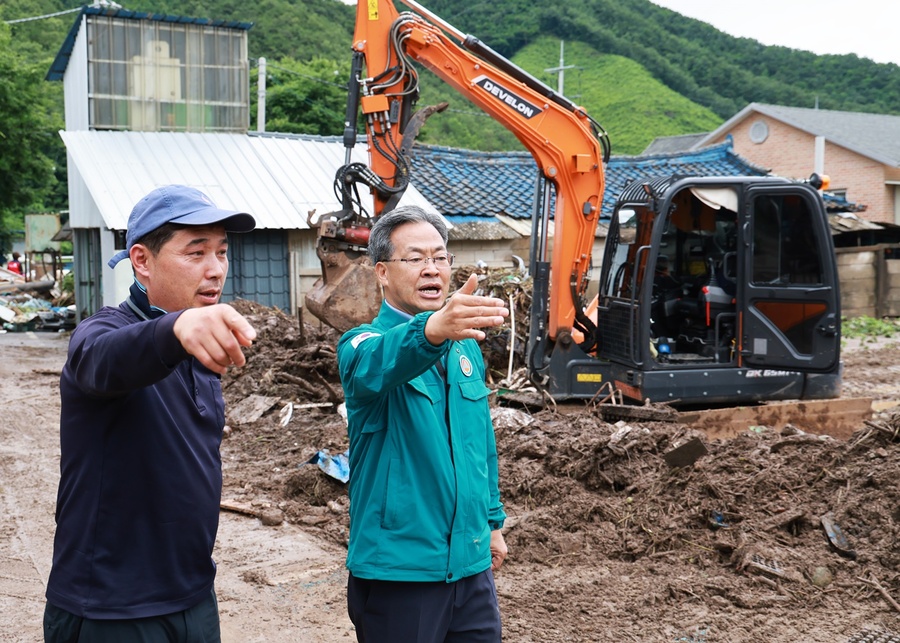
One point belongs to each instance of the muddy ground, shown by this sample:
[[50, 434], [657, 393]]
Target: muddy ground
[[607, 541]]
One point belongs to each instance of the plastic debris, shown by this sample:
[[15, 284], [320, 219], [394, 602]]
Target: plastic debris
[[836, 536], [337, 466], [286, 413], [717, 520]]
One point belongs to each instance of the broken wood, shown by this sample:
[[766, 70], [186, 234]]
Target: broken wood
[[27, 286], [250, 409], [781, 520], [239, 507], [880, 427], [881, 590], [293, 379], [803, 438]]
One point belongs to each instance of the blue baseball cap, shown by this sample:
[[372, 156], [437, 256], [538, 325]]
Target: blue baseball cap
[[182, 205]]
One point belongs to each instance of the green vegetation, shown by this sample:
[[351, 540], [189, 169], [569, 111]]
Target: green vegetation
[[869, 329], [690, 57], [642, 71], [305, 97], [67, 285], [30, 150]]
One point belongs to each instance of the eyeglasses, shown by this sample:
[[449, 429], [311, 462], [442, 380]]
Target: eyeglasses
[[439, 261]]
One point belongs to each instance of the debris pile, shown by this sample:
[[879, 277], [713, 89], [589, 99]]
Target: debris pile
[[35, 305], [290, 361], [782, 518], [513, 286], [24, 312]]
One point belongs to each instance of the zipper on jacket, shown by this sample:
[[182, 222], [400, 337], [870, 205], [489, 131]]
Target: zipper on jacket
[[442, 371]]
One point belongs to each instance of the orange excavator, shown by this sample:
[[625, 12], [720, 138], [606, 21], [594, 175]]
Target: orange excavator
[[568, 146], [713, 290]]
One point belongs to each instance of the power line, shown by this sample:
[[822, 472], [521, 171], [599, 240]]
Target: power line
[[98, 3], [49, 15]]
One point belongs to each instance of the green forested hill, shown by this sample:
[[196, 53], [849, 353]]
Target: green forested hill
[[642, 71], [711, 68]]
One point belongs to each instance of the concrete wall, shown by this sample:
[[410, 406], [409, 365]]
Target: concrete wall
[[870, 281]]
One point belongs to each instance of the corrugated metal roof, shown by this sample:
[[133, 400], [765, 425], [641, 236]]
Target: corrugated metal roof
[[672, 144], [303, 168], [277, 178]]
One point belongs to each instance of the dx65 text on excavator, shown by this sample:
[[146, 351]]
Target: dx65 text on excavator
[[713, 290]]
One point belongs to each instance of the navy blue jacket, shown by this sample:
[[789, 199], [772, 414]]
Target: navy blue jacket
[[141, 475]]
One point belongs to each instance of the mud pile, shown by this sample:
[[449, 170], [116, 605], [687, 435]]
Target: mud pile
[[780, 518]]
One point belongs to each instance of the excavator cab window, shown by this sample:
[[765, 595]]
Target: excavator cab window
[[785, 250], [633, 229], [693, 305], [625, 269], [787, 256], [688, 275]]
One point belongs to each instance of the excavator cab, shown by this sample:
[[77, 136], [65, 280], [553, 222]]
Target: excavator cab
[[714, 290]]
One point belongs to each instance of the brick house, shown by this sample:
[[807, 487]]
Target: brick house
[[859, 152]]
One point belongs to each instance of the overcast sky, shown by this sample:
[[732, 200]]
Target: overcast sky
[[867, 28]]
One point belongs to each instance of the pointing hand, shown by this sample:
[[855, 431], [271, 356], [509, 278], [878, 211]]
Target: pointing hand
[[464, 314]]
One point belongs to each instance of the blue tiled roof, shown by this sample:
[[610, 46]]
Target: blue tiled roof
[[467, 183], [58, 68], [464, 182]]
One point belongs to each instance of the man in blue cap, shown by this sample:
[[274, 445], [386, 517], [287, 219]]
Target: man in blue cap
[[141, 424]]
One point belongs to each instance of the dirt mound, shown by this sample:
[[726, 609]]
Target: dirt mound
[[776, 520]]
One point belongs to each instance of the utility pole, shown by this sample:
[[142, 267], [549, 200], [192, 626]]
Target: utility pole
[[261, 97], [561, 70]]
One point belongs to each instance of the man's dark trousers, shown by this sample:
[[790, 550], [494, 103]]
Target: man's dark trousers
[[462, 612], [198, 624]]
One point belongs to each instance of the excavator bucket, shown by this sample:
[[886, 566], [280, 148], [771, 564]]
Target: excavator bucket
[[348, 293]]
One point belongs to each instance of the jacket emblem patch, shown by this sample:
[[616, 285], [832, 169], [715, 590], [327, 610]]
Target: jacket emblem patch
[[465, 365], [356, 341]]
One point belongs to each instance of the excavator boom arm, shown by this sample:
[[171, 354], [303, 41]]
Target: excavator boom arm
[[567, 145]]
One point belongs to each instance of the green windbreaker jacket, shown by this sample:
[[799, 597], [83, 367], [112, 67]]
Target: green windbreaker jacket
[[423, 501]]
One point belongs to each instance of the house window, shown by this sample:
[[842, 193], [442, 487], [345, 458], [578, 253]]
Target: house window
[[147, 75], [759, 132]]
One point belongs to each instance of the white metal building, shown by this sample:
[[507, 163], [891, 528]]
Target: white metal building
[[278, 179]]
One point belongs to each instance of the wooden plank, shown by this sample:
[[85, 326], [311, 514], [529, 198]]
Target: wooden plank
[[838, 418]]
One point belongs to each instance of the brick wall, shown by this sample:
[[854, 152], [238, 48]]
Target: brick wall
[[790, 152]]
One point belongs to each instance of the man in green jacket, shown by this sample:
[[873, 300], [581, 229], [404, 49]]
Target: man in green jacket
[[425, 510]]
